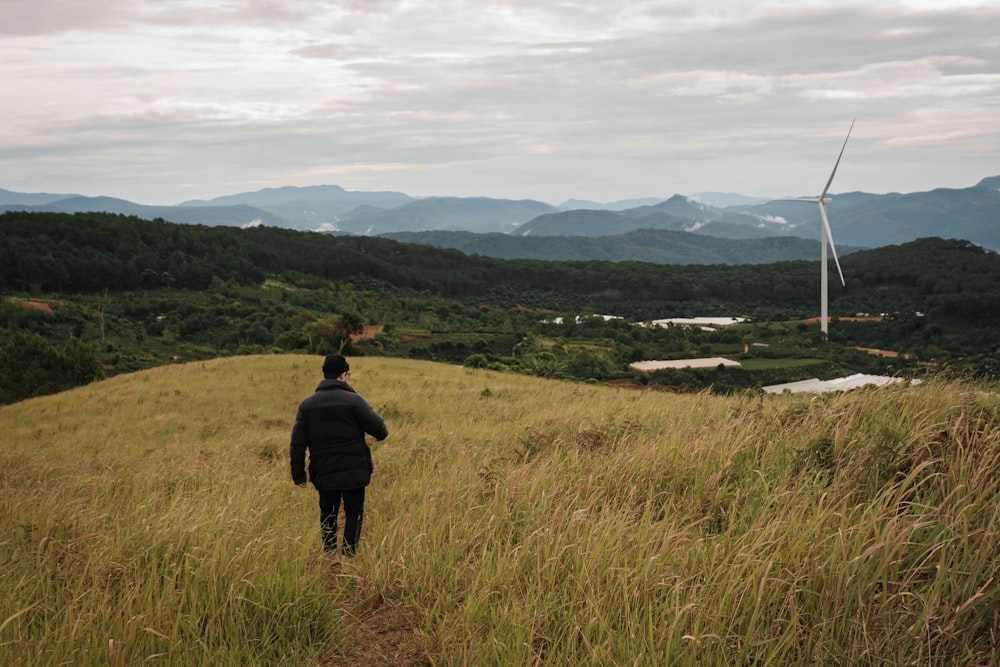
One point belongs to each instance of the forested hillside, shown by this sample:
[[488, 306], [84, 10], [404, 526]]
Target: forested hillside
[[656, 246], [90, 252]]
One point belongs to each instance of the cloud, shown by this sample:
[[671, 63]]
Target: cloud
[[602, 100], [32, 18]]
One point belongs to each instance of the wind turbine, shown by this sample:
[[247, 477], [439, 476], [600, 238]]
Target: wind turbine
[[826, 235]]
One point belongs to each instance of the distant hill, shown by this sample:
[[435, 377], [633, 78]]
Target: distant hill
[[991, 182], [678, 213], [863, 219], [727, 199], [589, 222], [331, 208], [312, 207], [473, 214], [620, 205], [29, 198], [230, 216], [657, 246], [858, 219]]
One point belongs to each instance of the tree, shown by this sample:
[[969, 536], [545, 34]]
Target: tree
[[476, 361], [30, 366], [326, 336]]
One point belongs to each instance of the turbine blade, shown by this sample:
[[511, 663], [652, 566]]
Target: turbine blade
[[837, 163], [829, 237]]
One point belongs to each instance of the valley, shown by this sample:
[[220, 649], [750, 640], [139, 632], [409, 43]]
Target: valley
[[125, 294]]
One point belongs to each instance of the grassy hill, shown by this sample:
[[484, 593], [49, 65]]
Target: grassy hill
[[511, 520]]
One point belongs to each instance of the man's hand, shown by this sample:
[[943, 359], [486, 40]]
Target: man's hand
[[303, 485]]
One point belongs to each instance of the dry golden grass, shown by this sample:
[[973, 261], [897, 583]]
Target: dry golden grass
[[511, 520]]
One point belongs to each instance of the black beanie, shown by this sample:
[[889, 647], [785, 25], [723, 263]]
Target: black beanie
[[334, 365]]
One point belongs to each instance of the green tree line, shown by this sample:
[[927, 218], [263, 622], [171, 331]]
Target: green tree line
[[89, 252]]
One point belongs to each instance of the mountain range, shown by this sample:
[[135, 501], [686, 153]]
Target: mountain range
[[705, 228]]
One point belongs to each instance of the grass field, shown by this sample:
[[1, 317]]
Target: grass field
[[150, 519]]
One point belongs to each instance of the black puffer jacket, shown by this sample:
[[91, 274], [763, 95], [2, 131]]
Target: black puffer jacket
[[332, 424]]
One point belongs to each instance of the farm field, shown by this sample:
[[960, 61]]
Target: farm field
[[765, 364], [150, 518]]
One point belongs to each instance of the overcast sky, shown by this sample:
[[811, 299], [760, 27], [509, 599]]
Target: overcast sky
[[169, 100]]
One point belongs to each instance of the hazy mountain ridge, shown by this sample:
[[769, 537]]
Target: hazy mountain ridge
[[619, 205], [864, 219], [678, 213], [857, 218], [239, 215], [727, 199], [310, 207], [9, 197], [473, 214]]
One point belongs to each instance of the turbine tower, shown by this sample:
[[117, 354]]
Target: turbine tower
[[825, 236]]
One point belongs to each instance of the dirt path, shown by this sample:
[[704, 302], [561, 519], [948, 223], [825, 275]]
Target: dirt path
[[386, 633], [389, 635]]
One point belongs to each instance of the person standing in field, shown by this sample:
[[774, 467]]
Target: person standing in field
[[331, 425]]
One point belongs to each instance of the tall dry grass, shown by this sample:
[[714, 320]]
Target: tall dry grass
[[511, 520]]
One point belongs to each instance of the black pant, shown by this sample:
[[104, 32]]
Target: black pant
[[354, 507]]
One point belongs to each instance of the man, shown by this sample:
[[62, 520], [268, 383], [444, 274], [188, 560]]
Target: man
[[331, 424]]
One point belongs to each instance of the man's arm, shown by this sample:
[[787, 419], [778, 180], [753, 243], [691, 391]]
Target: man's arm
[[297, 449], [372, 422], [376, 427]]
